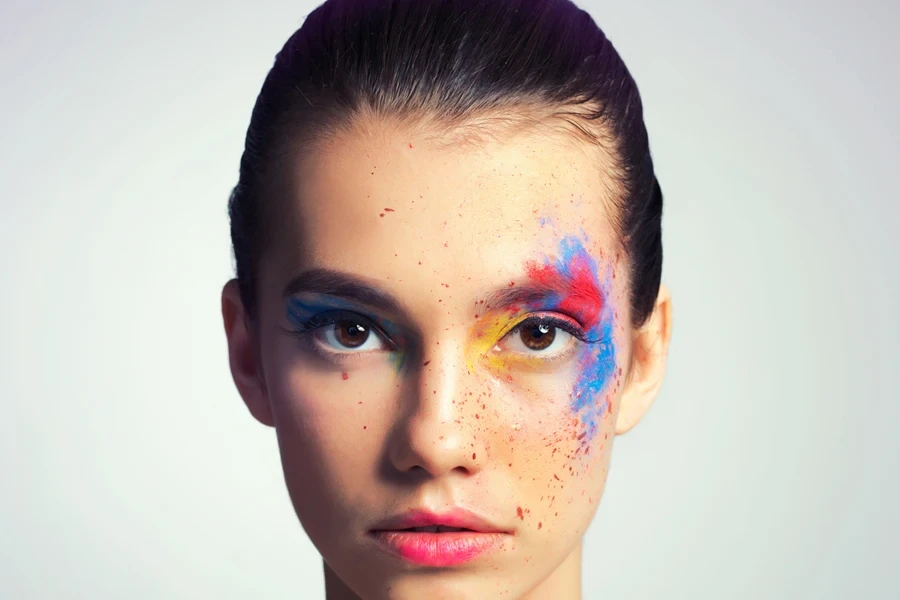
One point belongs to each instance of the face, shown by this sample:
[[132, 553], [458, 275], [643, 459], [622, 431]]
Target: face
[[443, 338]]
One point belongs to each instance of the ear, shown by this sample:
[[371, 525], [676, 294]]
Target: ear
[[650, 347], [245, 367]]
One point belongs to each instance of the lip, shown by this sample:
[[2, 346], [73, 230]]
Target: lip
[[453, 517], [438, 549]]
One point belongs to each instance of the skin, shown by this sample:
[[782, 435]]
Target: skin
[[450, 415]]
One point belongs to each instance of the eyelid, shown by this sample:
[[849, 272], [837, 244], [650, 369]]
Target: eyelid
[[554, 320], [331, 317]]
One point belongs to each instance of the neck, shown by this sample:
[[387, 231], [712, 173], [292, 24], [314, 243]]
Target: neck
[[563, 583]]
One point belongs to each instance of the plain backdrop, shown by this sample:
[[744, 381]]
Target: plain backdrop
[[768, 467]]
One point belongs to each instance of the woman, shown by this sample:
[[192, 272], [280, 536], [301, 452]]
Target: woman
[[448, 299]]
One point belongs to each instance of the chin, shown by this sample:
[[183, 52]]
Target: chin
[[434, 584]]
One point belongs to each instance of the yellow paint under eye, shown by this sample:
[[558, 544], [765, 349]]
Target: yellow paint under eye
[[487, 334]]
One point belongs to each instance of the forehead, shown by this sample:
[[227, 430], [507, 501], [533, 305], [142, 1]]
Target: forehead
[[394, 207]]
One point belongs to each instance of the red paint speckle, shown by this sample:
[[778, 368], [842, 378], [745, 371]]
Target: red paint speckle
[[540, 525], [425, 364], [519, 513], [389, 210], [345, 376]]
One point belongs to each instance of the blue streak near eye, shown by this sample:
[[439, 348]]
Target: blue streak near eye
[[597, 358], [299, 313]]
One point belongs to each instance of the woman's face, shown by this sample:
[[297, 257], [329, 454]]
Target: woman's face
[[444, 338]]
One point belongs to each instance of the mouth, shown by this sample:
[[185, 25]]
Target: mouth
[[436, 529], [430, 539]]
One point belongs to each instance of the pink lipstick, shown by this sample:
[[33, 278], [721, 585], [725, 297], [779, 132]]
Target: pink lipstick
[[436, 539]]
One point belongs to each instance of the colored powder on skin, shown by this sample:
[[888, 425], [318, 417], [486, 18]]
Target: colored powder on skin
[[573, 276], [486, 337]]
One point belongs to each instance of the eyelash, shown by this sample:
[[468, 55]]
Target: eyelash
[[302, 329], [550, 321]]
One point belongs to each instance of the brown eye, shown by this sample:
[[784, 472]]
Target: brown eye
[[351, 334], [538, 337]]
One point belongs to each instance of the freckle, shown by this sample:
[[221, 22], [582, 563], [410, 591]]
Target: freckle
[[364, 426], [381, 215], [519, 513], [510, 464], [345, 376], [360, 402]]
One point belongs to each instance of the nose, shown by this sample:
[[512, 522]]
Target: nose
[[436, 433]]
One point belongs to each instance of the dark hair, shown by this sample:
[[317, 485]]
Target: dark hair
[[465, 64]]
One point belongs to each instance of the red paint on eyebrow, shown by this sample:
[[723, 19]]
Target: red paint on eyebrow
[[577, 288]]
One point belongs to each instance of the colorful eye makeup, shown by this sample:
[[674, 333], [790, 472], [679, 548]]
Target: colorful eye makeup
[[559, 314], [566, 290], [575, 278], [338, 331]]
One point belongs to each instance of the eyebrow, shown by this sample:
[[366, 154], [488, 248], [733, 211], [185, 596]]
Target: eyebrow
[[329, 282], [516, 294]]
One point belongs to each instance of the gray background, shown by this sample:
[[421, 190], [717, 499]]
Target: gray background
[[768, 466]]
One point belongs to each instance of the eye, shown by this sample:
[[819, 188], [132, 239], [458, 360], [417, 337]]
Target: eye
[[349, 334], [538, 336]]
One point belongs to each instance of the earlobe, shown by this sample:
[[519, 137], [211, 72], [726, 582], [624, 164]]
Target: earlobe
[[650, 349], [242, 356]]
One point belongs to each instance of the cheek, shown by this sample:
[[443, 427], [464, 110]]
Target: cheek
[[561, 452], [561, 475], [329, 428]]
